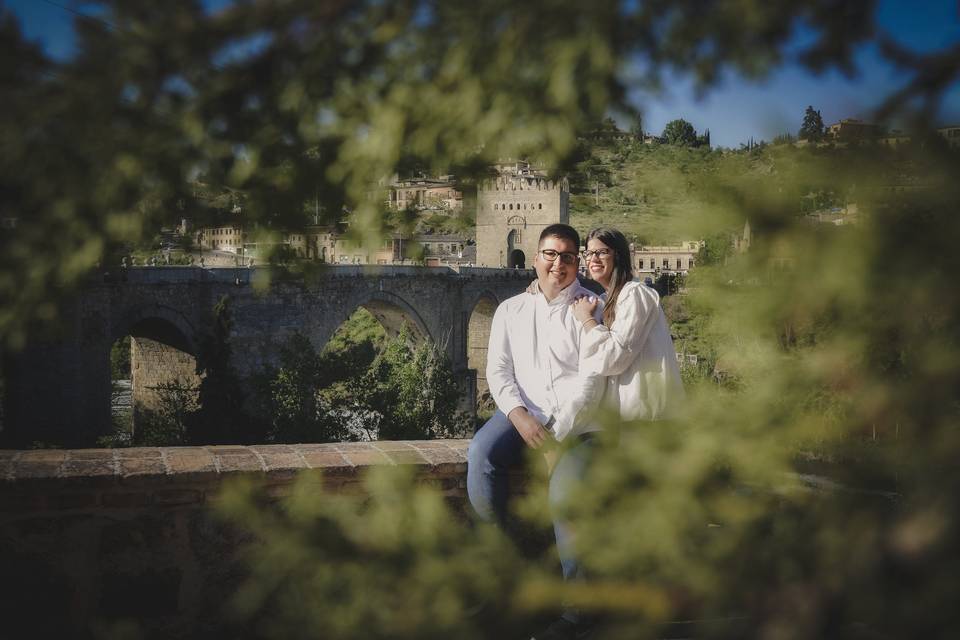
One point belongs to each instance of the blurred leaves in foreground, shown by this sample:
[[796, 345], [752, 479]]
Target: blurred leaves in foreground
[[396, 564], [837, 346], [808, 492], [266, 106]]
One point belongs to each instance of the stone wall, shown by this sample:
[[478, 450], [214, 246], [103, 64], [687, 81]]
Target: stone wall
[[92, 537], [58, 388], [511, 213], [161, 377], [479, 339]]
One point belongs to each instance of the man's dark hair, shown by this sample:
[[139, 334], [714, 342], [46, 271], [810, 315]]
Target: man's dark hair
[[562, 231]]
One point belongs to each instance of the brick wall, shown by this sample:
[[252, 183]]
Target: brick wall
[[91, 537]]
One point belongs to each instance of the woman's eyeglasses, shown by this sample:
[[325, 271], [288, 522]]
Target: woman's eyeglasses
[[566, 258], [599, 253]]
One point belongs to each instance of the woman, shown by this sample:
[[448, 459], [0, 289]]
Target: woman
[[633, 345]]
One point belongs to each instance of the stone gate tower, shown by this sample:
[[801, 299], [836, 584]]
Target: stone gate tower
[[512, 209]]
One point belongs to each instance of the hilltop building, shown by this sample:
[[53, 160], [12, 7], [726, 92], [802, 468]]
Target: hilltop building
[[225, 238], [679, 258], [331, 245], [512, 209], [439, 195], [951, 135], [853, 130]]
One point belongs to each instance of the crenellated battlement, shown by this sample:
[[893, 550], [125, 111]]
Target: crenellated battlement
[[524, 183]]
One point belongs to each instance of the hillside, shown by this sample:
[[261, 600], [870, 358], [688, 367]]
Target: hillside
[[662, 194]]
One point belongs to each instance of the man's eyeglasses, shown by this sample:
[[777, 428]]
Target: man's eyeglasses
[[566, 258], [599, 253]]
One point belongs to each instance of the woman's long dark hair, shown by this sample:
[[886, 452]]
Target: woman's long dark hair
[[622, 268]]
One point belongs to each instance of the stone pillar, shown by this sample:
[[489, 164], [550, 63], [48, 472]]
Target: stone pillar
[[478, 337], [159, 375]]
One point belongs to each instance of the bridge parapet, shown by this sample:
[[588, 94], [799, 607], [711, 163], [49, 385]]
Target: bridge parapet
[[183, 274], [94, 535]]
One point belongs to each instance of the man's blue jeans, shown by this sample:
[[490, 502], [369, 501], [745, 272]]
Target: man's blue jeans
[[496, 449]]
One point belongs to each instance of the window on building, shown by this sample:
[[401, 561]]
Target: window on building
[[540, 206], [689, 263], [666, 263], [640, 263], [678, 264]]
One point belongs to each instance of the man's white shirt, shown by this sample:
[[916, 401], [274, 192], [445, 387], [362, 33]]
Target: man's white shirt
[[533, 360]]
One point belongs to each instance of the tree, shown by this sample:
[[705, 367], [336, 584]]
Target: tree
[[680, 133], [220, 418], [704, 140], [812, 127], [636, 128], [783, 139], [329, 101], [715, 249], [414, 390]]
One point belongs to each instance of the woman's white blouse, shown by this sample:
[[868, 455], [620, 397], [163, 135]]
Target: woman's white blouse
[[638, 356]]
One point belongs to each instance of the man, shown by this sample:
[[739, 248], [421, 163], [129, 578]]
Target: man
[[532, 369]]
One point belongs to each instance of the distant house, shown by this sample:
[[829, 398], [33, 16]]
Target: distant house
[[894, 138], [426, 194], [951, 135], [225, 238], [852, 130], [678, 258]]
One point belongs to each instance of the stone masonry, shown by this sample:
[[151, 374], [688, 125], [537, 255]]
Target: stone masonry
[[512, 210], [96, 536], [58, 388]]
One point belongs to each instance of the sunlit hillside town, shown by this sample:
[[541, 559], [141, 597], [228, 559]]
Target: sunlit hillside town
[[856, 131], [513, 207]]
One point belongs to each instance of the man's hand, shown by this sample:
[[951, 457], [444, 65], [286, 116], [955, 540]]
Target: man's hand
[[529, 427]]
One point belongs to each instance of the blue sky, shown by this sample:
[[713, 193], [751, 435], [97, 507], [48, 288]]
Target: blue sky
[[734, 112]]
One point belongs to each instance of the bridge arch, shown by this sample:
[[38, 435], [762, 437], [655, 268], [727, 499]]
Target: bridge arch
[[162, 361], [389, 309], [480, 318], [158, 322]]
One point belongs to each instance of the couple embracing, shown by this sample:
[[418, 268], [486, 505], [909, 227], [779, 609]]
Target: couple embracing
[[557, 352]]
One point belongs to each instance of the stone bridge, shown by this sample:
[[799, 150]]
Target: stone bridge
[[59, 389]]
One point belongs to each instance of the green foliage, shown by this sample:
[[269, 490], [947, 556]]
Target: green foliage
[[120, 359], [286, 104], [832, 350], [812, 127], [783, 138], [220, 418], [350, 391], [715, 249], [680, 133], [414, 389], [355, 344], [818, 355], [396, 565], [171, 422], [292, 391]]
